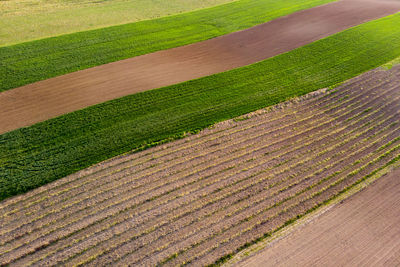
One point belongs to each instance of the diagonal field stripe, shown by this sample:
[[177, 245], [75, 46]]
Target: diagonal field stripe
[[43, 100]]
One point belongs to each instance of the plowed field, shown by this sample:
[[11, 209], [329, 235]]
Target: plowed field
[[50, 98], [363, 230], [200, 198]]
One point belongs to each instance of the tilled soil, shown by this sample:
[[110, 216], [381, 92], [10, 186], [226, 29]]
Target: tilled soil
[[362, 231], [43, 100], [198, 199]]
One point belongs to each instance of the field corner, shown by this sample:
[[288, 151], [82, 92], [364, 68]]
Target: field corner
[[306, 219]]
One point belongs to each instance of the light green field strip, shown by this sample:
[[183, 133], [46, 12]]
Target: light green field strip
[[27, 20], [36, 155], [392, 63], [38, 60]]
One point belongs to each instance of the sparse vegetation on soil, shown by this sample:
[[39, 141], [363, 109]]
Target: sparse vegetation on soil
[[199, 199], [33, 156], [371, 216], [38, 60]]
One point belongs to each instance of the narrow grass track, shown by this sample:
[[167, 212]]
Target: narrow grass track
[[201, 198]]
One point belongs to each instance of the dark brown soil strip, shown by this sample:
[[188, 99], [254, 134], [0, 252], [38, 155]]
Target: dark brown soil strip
[[366, 227], [47, 99]]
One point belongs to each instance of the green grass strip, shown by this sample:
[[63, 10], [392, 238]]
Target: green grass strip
[[28, 20], [42, 59], [36, 155]]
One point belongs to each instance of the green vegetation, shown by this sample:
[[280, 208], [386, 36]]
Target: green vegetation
[[392, 63], [375, 174], [33, 156], [26, 20], [38, 60]]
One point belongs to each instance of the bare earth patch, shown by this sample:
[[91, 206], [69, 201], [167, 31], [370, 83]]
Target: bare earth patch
[[43, 100], [205, 196], [364, 230]]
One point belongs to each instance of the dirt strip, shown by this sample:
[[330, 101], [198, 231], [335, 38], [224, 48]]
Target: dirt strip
[[362, 231], [43, 100]]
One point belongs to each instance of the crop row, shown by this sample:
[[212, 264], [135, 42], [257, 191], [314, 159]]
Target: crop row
[[295, 212], [195, 229], [101, 172], [107, 177], [95, 232], [53, 203], [197, 216], [21, 229], [228, 232]]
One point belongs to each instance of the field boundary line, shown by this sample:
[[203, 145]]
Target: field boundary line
[[305, 220]]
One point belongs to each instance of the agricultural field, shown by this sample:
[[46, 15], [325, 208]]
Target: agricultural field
[[202, 198], [182, 132], [27, 20], [44, 152], [169, 67], [360, 217], [24, 63]]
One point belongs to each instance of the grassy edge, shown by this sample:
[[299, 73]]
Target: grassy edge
[[391, 64], [292, 225]]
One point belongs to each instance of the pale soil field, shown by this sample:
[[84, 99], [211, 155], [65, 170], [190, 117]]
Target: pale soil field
[[363, 230], [26, 20], [200, 198], [46, 99]]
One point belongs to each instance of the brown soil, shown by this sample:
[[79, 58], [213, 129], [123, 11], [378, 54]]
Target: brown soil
[[43, 100], [204, 196], [364, 230]]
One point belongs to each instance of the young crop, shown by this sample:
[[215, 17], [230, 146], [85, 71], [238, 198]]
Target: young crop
[[194, 226]]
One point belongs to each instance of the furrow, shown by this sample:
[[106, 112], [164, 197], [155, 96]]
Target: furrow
[[250, 222], [135, 230], [58, 183], [140, 253], [293, 213]]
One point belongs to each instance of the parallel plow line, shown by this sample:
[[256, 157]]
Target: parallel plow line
[[205, 196]]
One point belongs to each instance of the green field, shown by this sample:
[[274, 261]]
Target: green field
[[33, 156], [392, 63], [26, 20], [38, 60]]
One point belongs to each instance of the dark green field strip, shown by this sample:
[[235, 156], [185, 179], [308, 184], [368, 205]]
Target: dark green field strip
[[33, 156], [38, 60]]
